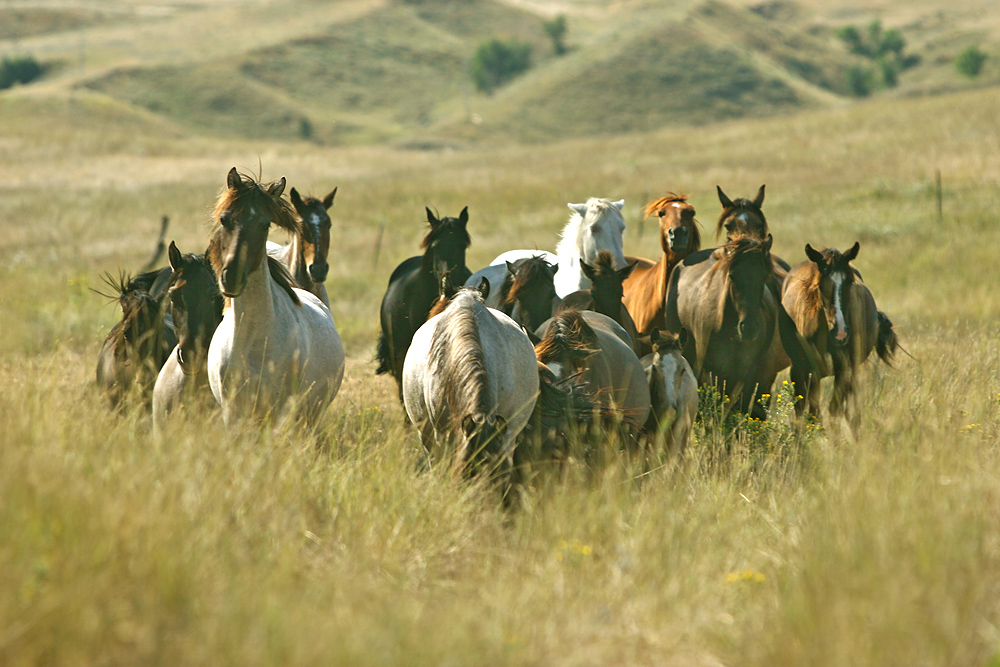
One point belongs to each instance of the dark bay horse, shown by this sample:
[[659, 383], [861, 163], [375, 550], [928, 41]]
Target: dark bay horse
[[721, 298], [413, 287], [646, 288], [837, 325], [605, 294], [524, 289], [196, 307], [306, 254], [139, 344]]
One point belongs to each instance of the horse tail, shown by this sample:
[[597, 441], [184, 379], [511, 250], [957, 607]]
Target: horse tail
[[383, 354], [887, 343]]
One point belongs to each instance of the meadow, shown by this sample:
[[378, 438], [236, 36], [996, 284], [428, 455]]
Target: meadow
[[765, 545]]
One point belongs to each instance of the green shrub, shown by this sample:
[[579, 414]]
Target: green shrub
[[859, 80], [496, 62], [556, 30], [24, 69], [970, 62]]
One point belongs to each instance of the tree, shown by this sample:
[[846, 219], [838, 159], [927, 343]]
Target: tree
[[496, 62], [556, 30], [859, 80], [970, 62]]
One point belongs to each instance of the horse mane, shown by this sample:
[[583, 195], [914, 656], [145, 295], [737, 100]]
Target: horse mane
[[445, 227], [568, 333], [740, 205], [252, 193], [604, 208], [457, 350], [809, 302], [670, 198], [726, 255], [528, 273]]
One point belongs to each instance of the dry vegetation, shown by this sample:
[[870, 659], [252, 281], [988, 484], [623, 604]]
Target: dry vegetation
[[765, 546]]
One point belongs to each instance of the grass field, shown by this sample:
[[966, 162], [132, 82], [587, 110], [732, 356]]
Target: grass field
[[765, 546]]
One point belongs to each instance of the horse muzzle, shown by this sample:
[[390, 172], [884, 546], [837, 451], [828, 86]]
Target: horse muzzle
[[318, 271], [678, 239], [748, 331], [231, 282]]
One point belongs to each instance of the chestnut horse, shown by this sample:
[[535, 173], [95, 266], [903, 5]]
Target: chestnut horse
[[646, 288], [720, 296], [306, 254], [838, 326]]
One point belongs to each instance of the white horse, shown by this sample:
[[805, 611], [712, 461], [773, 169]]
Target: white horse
[[276, 342], [470, 381], [592, 227], [673, 391]]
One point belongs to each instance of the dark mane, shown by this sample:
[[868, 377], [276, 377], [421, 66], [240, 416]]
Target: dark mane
[[280, 275], [567, 334], [740, 205], [251, 193], [457, 349], [447, 227], [731, 253]]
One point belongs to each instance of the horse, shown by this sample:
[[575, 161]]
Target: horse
[[139, 344], [305, 255], [594, 226], [413, 287], [720, 296], [597, 349], [646, 287], [522, 289], [605, 294], [196, 306], [837, 325], [276, 342], [470, 381], [673, 391]]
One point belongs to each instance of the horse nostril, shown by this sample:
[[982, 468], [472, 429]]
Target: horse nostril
[[748, 331]]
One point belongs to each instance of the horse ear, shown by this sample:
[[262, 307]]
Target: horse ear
[[758, 201], [275, 189], [627, 271], [233, 180], [853, 252], [484, 288], [654, 336], [296, 200], [767, 243], [552, 268], [682, 338], [579, 209], [463, 217], [723, 199], [174, 256], [814, 255], [587, 270], [434, 222], [328, 200], [511, 269], [620, 204]]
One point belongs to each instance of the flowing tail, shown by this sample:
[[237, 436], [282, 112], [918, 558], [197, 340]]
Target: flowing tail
[[383, 354], [887, 342]]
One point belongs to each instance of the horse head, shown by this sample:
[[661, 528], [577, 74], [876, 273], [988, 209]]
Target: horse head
[[606, 283], [316, 225], [747, 265], [445, 244], [599, 225], [836, 276], [532, 288], [196, 307], [242, 217], [742, 218], [678, 227], [666, 373]]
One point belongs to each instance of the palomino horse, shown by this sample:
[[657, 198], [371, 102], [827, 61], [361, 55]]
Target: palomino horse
[[196, 306], [413, 287], [276, 341], [837, 325], [139, 344], [605, 294], [646, 288], [592, 227], [596, 347], [306, 253], [522, 289], [720, 296], [469, 384], [673, 391]]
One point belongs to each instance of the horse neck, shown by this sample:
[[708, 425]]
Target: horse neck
[[255, 306]]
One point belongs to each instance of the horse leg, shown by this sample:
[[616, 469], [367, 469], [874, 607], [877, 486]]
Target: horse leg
[[843, 401]]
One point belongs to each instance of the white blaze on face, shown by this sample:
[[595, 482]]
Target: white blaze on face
[[670, 369], [840, 325], [316, 223]]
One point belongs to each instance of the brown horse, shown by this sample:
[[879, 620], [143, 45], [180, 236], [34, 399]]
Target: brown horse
[[646, 288], [837, 325], [305, 255], [605, 294], [720, 296]]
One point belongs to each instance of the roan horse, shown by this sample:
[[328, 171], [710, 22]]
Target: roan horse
[[276, 342], [837, 325], [720, 296], [522, 289], [196, 306], [413, 287], [470, 381], [306, 253], [673, 392], [605, 294], [646, 288], [594, 226]]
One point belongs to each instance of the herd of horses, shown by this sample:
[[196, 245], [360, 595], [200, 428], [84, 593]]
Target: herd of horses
[[533, 347]]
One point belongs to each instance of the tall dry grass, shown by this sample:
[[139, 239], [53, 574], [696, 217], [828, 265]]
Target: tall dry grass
[[764, 546]]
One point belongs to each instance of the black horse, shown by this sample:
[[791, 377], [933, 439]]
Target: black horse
[[414, 286]]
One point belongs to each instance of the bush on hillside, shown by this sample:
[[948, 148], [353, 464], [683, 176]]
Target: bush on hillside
[[496, 62], [970, 62], [885, 47], [860, 80], [24, 69], [556, 30]]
